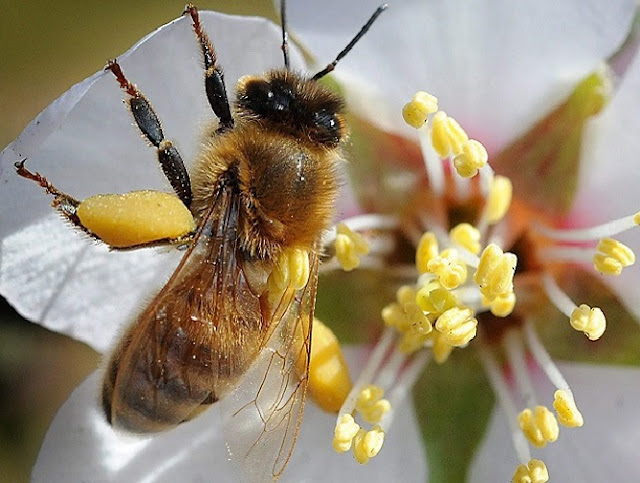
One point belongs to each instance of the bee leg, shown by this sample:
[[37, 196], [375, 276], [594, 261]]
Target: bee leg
[[64, 203], [213, 76], [149, 124]]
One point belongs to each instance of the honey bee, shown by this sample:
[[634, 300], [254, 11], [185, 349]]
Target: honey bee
[[262, 188]]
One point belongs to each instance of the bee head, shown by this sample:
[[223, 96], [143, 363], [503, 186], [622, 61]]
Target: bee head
[[293, 104]]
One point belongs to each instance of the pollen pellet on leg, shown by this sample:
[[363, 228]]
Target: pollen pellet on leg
[[135, 218], [329, 380]]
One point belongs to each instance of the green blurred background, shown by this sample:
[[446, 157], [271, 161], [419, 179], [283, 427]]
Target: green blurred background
[[45, 48]]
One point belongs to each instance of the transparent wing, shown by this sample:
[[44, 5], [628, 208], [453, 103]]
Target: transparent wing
[[262, 415]]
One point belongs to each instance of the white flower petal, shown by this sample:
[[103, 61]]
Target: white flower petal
[[81, 446], [85, 144], [604, 449], [496, 65]]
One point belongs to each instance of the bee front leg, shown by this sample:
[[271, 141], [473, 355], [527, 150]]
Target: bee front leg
[[213, 76], [149, 124]]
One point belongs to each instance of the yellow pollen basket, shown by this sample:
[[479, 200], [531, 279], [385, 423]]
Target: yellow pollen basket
[[135, 218], [329, 380], [291, 270]]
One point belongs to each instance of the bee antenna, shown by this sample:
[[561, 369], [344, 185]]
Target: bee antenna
[[285, 37], [365, 28]]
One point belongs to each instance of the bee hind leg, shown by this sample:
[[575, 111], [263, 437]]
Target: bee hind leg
[[149, 124]]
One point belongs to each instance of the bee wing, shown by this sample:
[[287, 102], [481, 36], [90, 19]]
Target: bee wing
[[264, 412]]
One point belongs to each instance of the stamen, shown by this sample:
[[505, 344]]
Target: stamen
[[499, 384], [498, 200], [417, 111], [426, 251], [608, 229], [540, 427], [349, 246], [346, 429], [367, 444], [535, 471], [447, 136], [450, 271], [589, 320], [612, 256], [458, 326], [432, 163], [473, 157], [371, 404], [467, 237], [495, 272], [518, 363], [564, 404]]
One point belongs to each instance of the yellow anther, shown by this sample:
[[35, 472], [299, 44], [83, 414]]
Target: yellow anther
[[636, 218], [405, 294], [367, 444], [434, 299], [418, 321], [503, 305], [589, 320], [467, 236], [473, 157], [565, 406], [612, 256], [533, 472], [547, 424], [371, 405], [447, 137], [416, 111], [495, 272], [540, 427], [427, 249], [457, 326], [329, 380], [393, 316], [441, 348], [499, 198], [412, 342], [344, 433], [349, 246], [135, 218], [450, 271]]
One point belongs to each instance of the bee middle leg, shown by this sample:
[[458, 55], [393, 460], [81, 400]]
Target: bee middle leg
[[213, 76], [149, 124]]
